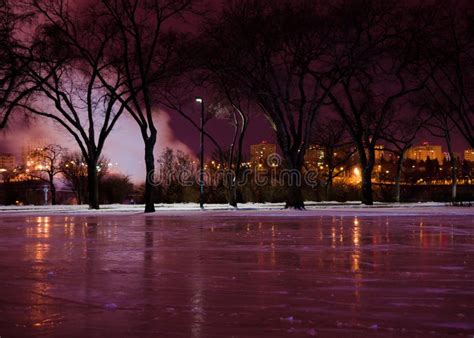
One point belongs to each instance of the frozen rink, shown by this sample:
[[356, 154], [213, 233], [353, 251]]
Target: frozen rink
[[245, 273]]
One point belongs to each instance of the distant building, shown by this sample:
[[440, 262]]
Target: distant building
[[259, 153], [469, 155], [314, 156], [29, 147], [424, 151], [7, 161], [379, 152]]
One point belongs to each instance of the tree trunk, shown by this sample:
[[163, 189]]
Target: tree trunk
[[233, 194], [232, 179], [452, 157], [93, 183], [52, 188], [367, 194], [328, 185], [79, 196], [294, 198], [454, 179], [398, 178], [367, 162], [150, 173]]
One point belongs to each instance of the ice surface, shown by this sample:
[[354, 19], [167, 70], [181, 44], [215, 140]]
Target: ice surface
[[238, 273]]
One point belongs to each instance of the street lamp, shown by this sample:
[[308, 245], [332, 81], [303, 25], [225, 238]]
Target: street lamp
[[201, 155]]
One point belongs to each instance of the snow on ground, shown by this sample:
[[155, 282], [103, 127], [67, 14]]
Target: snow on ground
[[252, 209]]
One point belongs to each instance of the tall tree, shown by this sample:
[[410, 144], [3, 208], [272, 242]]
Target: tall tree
[[73, 76], [47, 165], [452, 62], [400, 136], [274, 51], [148, 52], [440, 124], [13, 85], [380, 57], [227, 104], [331, 136]]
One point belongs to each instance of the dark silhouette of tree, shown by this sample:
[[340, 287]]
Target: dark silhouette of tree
[[47, 165], [148, 55], [13, 85], [431, 169], [332, 137], [236, 109], [74, 169], [379, 54], [400, 136], [177, 175], [74, 79], [230, 107], [452, 64], [467, 169], [115, 188], [75, 175], [274, 51], [441, 125]]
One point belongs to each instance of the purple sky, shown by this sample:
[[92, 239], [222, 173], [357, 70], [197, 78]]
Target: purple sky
[[125, 145]]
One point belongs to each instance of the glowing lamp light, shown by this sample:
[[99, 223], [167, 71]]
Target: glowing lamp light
[[357, 172], [198, 99]]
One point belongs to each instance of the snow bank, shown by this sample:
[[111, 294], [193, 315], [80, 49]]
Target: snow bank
[[250, 209]]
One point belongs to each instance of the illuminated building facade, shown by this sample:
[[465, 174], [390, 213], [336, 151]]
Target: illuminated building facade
[[29, 147], [314, 156], [421, 153], [7, 161], [379, 152], [469, 155], [259, 153]]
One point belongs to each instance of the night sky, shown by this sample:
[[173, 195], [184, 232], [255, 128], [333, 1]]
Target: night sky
[[125, 144]]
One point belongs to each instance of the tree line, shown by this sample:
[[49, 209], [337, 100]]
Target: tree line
[[376, 71]]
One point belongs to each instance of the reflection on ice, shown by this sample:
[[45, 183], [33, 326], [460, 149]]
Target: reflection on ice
[[203, 276]]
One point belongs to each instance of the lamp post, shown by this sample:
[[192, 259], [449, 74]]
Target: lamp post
[[45, 191], [201, 155]]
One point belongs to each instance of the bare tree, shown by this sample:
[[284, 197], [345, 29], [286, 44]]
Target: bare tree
[[440, 124], [74, 78], [75, 175], [226, 105], [274, 51], [234, 104], [400, 137], [380, 60], [148, 52], [332, 138], [177, 172], [452, 62], [13, 84], [239, 116], [74, 169], [47, 165]]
